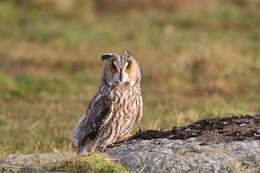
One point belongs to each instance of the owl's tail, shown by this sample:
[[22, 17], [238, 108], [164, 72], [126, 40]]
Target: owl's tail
[[81, 138], [77, 132]]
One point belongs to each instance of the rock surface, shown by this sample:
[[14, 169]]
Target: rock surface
[[158, 155], [32, 163], [163, 155], [219, 146]]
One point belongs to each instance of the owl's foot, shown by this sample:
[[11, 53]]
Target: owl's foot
[[124, 139], [120, 140]]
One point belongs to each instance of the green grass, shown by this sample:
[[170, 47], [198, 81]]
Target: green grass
[[94, 163], [196, 64]]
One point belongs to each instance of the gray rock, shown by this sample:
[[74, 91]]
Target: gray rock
[[32, 163], [159, 155], [163, 155]]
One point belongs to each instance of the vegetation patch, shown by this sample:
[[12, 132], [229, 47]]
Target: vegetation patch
[[93, 163]]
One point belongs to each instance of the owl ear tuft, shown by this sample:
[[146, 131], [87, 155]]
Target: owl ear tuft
[[128, 53], [106, 56]]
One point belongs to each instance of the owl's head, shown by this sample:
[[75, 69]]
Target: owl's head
[[120, 69]]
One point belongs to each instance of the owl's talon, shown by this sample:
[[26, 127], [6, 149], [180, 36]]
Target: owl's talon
[[124, 139]]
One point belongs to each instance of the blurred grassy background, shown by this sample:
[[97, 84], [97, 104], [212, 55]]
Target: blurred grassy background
[[199, 59]]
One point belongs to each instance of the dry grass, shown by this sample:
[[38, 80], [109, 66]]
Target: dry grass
[[196, 64]]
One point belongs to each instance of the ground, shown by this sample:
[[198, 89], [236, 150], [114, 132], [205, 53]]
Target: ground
[[211, 131], [227, 144]]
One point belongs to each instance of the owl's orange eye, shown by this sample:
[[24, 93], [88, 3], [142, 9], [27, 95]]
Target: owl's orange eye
[[128, 70], [113, 70]]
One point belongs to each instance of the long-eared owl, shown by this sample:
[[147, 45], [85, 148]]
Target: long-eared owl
[[115, 109]]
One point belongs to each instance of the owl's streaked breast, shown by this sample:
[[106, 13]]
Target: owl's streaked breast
[[125, 102]]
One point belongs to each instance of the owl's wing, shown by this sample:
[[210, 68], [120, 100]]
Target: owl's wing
[[139, 111], [88, 126]]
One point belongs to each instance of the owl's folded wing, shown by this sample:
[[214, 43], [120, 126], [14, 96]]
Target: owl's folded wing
[[139, 110], [88, 126]]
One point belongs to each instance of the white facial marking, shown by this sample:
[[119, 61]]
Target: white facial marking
[[124, 77]]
